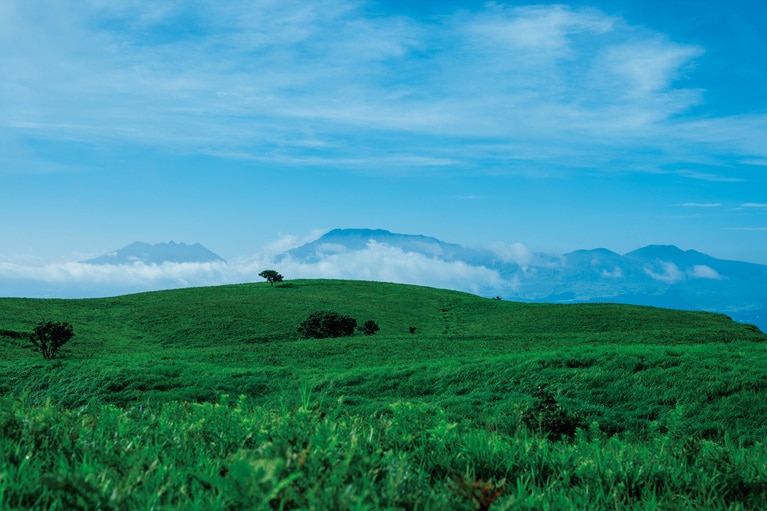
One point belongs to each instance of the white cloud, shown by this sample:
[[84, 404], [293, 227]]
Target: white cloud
[[302, 83], [753, 205], [707, 176], [669, 272], [381, 262], [756, 163], [331, 248], [615, 273], [513, 253], [287, 242], [648, 68], [700, 205], [701, 271], [378, 262], [535, 32]]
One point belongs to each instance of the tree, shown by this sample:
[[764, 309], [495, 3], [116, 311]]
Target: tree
[[271, 276], [369, 328], [48, 337], [323, 324]]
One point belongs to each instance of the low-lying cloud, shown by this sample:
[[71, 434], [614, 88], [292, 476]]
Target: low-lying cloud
[[379, 262], [511, 271], [671, 273]]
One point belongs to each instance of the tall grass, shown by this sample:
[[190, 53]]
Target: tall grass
[[135, 413], [234, 455]]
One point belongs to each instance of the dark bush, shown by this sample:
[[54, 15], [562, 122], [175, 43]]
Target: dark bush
[[323, 324], [12, 334], [369, 328], [549, 417]]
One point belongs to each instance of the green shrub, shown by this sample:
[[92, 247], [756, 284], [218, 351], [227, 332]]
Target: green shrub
[[323, 324], [369, 328], [547, 416], [49, 336]]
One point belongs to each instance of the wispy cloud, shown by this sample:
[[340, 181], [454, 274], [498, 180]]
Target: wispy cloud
[[701, 205], [757, 205], [300, 83], [669, 272], [702, 271], [706, 176], [615, 273]]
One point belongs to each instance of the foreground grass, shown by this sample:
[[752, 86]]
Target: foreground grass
[[233, 455], [670, 403]]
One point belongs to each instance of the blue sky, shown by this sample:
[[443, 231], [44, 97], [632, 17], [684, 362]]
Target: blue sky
[[246, 124]]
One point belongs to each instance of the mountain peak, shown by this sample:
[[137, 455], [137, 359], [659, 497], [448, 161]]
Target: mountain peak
[[348, 240], [658, 251], [171, 252]]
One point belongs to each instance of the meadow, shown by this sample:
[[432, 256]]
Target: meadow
[[205, 398]]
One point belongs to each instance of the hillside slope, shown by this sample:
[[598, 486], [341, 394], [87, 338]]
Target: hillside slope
[[623, 367], [228, 315]]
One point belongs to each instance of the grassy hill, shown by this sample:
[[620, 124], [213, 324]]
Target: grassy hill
[[483, 366], [622, 366]]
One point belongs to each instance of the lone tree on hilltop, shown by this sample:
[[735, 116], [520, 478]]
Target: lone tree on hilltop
[[271, 276], [49, 336], [323, 324]]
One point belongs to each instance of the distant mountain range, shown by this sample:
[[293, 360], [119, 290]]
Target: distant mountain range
[[656, 275], [159, 253]]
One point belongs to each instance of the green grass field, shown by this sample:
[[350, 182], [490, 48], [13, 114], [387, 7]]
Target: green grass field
[[205, 398]]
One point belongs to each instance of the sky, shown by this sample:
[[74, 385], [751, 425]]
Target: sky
[[252, 125]]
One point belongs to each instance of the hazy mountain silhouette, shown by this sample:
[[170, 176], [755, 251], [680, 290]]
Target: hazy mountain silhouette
[[159, 253], [347, 240]]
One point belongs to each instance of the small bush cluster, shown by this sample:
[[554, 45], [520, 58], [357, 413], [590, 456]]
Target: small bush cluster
[[324, 324]]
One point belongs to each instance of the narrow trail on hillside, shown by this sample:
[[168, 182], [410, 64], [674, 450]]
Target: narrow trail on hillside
[[449, 317]]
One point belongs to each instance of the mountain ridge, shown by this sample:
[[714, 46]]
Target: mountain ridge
[[158, 253]]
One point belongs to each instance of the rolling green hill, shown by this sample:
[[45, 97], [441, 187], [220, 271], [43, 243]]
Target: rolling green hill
[[205, 398], [621, 366]]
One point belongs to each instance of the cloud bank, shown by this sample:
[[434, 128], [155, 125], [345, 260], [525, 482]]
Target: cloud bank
[[301, 83], [379, 262]]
